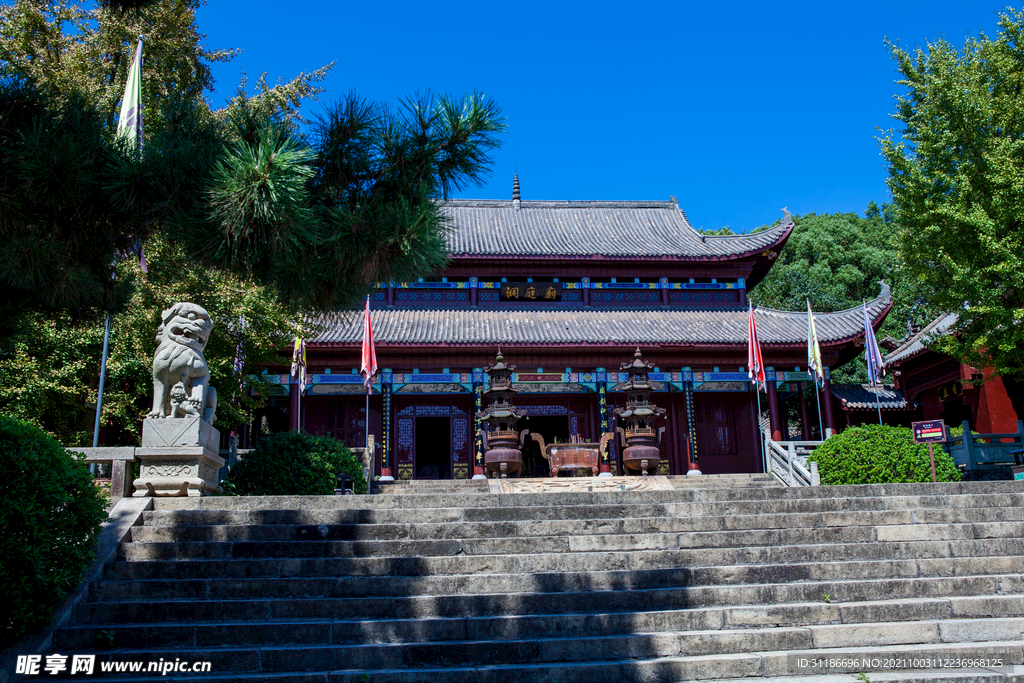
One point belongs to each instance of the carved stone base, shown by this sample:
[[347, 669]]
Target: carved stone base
[[179, 457]]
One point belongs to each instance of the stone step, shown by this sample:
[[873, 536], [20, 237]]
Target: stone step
[[639, 657], [836, 543], [397, 606], [689, 520], [502, 627], [1002, 493], [212, 586], [446, 582], [886, 525], [937, 510], [683, 560], [586, 648]]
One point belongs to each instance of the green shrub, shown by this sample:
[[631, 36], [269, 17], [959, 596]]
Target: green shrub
[[293, 464], [879, 454], [50, 515]]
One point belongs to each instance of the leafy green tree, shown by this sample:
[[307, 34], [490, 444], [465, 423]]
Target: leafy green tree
[[836, 261], [956, 174], [238, 211], [318, 218], [48, 375], [49, 368], [51, 513]]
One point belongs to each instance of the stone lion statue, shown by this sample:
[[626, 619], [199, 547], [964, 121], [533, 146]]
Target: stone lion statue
[[181, 377]]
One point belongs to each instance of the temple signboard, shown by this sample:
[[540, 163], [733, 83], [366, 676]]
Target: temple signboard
[[530, 291], [929, 431]]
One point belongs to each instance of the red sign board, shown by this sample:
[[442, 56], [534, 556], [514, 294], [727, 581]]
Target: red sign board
[[929, 431]]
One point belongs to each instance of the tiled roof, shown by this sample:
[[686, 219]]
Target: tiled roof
[[862, 397], [624, 229], [919, 342], [483, 326]]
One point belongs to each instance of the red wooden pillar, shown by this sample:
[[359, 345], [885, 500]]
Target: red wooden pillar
[[774, 414], [830, 420], [805, 416], [679, 460]]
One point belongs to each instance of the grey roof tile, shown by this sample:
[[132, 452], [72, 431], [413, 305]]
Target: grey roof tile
[[483, 326], [919, 342], [862, 397], [624, 229]]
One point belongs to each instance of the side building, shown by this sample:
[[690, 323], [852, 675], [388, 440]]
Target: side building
[[569, 291], [941, 387]]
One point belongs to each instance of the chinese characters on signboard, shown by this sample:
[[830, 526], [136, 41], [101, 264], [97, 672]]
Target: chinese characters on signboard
[[530, 291], [929, 430]]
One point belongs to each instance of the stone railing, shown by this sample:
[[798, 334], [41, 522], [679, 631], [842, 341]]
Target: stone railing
[[787, 460], [120, 460]]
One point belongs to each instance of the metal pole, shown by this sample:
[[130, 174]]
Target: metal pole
[[298, 410], [99, 396], [366, 442], [931, 456], [879, 406], [760, 434], [817, 400]]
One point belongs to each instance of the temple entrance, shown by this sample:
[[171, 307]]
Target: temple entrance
[[552, 427], [724, 439], [433, 448]]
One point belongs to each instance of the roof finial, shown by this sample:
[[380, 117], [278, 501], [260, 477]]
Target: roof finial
[[515, 190]]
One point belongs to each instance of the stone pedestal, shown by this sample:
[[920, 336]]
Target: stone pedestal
[[179, 457]]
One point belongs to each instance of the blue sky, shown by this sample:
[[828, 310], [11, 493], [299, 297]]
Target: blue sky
[[737, 109]]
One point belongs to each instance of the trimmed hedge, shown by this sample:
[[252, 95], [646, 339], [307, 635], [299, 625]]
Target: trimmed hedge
[[879, 454], [293, 464], [50, 516]]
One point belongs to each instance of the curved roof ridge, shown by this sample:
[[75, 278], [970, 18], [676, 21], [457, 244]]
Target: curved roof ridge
[[583, 229], [918, 343], [748, 235], [884, 296], [560, 326]]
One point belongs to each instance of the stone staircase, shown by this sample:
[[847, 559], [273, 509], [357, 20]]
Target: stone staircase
[[433, 486], [693, 583]]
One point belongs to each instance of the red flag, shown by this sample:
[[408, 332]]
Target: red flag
[[369, 364], [755, 364]]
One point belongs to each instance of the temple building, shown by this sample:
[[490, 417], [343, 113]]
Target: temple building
[[569, 290], [938, 386]]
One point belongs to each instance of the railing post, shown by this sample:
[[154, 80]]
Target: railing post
[[968, 445], [815, 477], [791, 453]]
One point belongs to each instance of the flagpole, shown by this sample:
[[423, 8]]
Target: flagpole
[[817, 399], [760, 434], [123, 127]]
